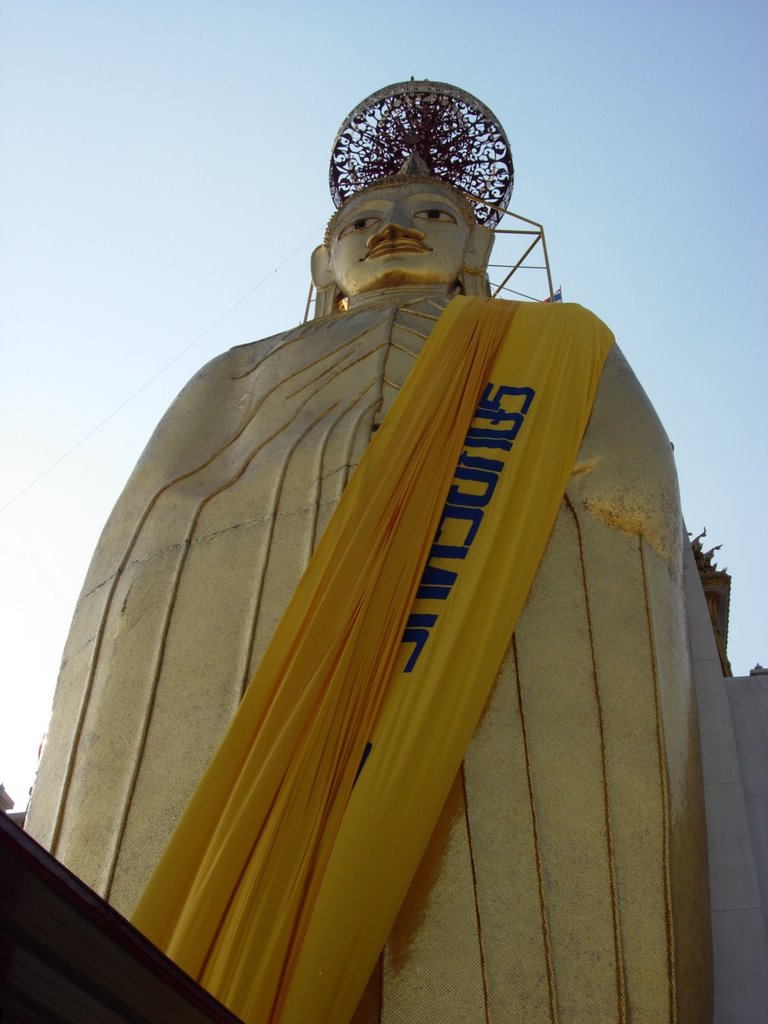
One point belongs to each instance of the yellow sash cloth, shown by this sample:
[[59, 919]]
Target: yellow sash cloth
[[283, 877]]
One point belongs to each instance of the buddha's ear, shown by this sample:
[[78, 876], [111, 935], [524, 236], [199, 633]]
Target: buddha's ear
[[326, 292], [478, 250], [320, 265], [474, 279]]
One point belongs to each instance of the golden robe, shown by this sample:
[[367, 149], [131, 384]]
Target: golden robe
[[566, 880]]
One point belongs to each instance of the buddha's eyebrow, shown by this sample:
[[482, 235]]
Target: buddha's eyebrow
[[362, 211], [433, 201]]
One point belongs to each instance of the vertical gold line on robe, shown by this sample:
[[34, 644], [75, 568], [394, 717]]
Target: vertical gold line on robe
[[362, 413], [484, 972], [250, 659], [664, 792], [620, 982], [551, 983]]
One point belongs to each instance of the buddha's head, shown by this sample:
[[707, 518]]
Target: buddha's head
[[407, 165], [404, 232]]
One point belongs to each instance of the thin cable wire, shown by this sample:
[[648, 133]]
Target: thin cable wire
[[159, 373]]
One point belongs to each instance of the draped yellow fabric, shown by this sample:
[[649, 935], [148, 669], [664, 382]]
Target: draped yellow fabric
[[282, 880]]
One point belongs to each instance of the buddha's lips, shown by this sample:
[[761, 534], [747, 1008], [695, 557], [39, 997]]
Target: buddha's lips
[[397, 246]]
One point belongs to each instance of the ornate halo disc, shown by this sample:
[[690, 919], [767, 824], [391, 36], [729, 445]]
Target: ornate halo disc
[[459, 138]]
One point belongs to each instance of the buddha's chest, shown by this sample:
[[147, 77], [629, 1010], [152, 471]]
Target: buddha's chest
[[303, 416]]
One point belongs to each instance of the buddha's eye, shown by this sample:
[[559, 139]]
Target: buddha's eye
[[361, 224], [435, 215]]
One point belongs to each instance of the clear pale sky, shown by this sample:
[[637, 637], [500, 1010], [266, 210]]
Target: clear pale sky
[[160, 160]]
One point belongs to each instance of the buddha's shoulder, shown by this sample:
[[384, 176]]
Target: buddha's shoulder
[[570, 318], [625, 474], [293, 348], [618, 383]]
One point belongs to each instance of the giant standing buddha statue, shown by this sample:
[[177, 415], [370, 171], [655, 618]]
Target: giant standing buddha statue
[[376, 704]]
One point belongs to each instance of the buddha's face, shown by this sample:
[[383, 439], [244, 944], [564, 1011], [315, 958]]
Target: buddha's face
[[411, 234]]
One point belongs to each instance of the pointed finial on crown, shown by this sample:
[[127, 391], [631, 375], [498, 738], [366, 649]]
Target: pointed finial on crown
[[414, 166], [425, 129]]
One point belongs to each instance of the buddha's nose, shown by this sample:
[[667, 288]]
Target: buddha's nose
[[393, 230]]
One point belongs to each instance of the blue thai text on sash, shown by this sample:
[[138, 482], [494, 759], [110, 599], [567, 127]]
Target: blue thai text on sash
[[497, 422]]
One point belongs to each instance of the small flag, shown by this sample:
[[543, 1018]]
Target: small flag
[[557, 297]]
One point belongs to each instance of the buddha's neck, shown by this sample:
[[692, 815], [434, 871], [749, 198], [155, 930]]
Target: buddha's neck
[[399, 296]]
